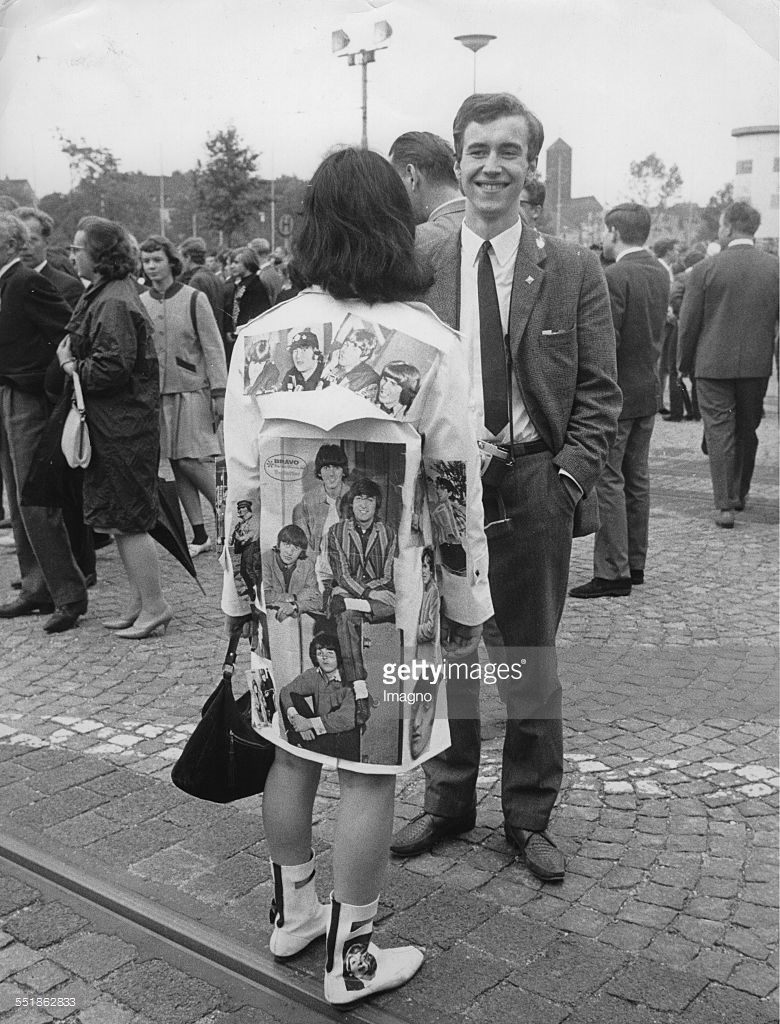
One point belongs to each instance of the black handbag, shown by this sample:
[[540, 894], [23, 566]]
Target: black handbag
[[224, 759]]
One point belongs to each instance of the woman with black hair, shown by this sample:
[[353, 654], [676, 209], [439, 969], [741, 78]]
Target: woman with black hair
[[110, 345], [355, 262]]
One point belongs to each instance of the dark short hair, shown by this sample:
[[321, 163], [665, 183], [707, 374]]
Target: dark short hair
[[195, 249], [663, 246], [329, 455], [248, 258], [428, 556], [108, 246], [484, 107], [632, 220], [690, 259], [324, 641], [448, 485], [743, 217], [293, 534], [357, 233], [429, 153], [365, 340], [407, 376], [30, 212], [363, 487], [536, 191], [157, 243]]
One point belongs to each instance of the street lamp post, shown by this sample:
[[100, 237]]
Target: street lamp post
[[474, 43], [380, 32]]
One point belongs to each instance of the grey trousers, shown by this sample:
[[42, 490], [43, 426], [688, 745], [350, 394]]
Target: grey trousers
[[731, 411], [529, 571], [46, 562], [624, 502]]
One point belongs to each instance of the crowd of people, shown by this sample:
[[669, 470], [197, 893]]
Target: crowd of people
[[516, 418]]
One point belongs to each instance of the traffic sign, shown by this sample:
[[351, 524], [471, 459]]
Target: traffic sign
[[285, 225]]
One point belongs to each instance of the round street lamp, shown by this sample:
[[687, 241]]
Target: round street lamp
[[474, 43]]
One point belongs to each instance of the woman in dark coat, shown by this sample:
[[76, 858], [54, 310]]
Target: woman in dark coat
[[250, 297], [110, 346]]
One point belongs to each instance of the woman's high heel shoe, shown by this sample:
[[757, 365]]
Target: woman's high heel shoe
[[141, 632], [122, 623]]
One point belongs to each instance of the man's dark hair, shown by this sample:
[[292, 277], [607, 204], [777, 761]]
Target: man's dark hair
[[357, 233], [108, 246], [363, 487], [691, 258], [742, 217], [330, 455], [293, 534], [632, 221], [536, 191], [324, 642], [407, 376], [448, 485], [663, 246], [157, 243], [28, 212], [484, 107], [429, 153], [195, 249], [248, 258]]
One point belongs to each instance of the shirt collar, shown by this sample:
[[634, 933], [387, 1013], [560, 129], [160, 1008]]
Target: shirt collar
[[8, 266], [40, 267], [739, 241], [504, 245], [627, 252]]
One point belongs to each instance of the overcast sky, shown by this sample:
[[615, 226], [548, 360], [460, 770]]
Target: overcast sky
[[149, 79]]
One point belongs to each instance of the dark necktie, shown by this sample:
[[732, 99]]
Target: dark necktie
[[491, 345]]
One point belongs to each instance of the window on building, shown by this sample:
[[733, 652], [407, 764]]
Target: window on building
[[776, 166], [774, 201], [744, 166]]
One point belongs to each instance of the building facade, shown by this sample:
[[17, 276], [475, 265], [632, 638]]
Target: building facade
[[757, 174]]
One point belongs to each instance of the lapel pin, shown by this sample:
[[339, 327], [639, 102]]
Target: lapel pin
[[529, 280], [539, 242]]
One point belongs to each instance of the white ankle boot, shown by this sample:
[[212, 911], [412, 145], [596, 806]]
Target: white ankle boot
[[355, 967], [296, 914]]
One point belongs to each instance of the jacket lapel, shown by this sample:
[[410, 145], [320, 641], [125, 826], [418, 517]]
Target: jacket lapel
[[529, 275]]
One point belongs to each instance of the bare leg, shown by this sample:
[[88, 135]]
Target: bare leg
[[139, 557], [188, 494], [288, 801], [362, 843], [196, 476]]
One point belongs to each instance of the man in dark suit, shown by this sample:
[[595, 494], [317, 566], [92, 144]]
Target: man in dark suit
[[196, 275], [424, 163], [35, 254], [728, 328], [639, 296], [32, 322], [534, 316]]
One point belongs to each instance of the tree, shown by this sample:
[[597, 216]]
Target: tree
[[227, 186], [87, 162], [712, 211], [652, 184]]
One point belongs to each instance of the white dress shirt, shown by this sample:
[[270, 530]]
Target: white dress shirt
[[502, 258]]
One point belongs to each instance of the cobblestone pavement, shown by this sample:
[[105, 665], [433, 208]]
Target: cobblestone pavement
[[667, 816]]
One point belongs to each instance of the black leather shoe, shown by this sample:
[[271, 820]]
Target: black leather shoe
[[542, 857], [65, 617], [599, 587], [24, 606], [637, 577], [424, 831]]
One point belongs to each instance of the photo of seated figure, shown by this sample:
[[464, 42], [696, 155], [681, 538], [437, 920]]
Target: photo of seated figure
[[289, 581], [361, 552], [308, 363], [318, 707], [261, 376], [398, 385], [348, 364], [245, 542]]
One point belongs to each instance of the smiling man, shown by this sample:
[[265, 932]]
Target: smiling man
[[535, 317]]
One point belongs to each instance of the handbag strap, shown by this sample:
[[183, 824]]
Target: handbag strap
[[78, 394], [229, 664]]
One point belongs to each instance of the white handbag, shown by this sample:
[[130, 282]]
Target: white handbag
[[76, 446]]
